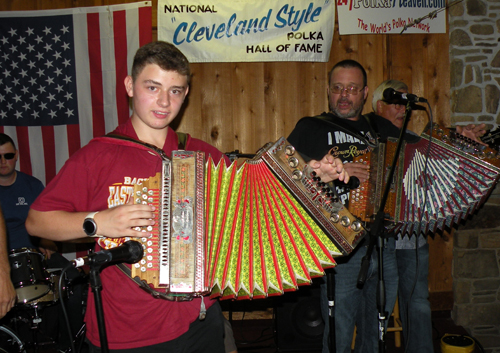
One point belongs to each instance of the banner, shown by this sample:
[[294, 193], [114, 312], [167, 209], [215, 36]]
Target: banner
[[391, 16], [61, 78], [245, 31]]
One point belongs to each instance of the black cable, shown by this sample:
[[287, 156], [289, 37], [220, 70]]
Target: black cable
[[63, 305], [478, 344]]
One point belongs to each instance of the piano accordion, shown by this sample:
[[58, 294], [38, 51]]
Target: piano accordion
[[438, 181], [245, 232]]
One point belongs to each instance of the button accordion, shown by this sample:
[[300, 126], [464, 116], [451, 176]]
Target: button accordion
[[249, 231], [438, 181]]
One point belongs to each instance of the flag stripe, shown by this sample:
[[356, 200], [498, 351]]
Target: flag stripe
[[49, 152], [84, 92], [146, 30], [73, 139], [36, 150], [24, 148], [61, 145], [120, 45], [110, 108], [94, 43]]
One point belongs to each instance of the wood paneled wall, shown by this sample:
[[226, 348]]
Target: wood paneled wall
[[242, 106]]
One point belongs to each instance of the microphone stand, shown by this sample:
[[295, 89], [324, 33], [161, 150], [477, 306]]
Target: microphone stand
[[376, 236], [330, 293], [96, 285]]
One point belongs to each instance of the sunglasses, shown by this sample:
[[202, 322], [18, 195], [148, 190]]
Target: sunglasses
[[8, 156], [350, 91]]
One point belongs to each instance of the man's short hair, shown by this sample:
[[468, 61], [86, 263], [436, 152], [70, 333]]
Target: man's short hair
[[4, 138], [348, 64], [378, 94], [163, 54]]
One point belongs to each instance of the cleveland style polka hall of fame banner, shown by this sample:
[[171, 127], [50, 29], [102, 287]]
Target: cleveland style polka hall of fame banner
[[248, 31], [391, 16]]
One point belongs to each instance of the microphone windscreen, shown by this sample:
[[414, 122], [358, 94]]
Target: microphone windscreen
[[353, 183], [136, 251], [388, 94]]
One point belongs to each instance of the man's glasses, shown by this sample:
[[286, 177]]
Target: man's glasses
[[351, 90], [8, 156]]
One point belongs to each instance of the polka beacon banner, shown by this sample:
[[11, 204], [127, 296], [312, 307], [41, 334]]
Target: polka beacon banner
[[391, 16]]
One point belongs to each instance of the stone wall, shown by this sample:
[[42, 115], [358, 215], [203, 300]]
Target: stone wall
[[476, 277], [475, 62], [474, 27]]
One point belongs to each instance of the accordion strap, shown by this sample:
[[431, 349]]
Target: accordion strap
[[182, 139], [144, 286], [135, 142]]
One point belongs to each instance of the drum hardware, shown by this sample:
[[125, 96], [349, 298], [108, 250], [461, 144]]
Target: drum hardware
[[28, 274], [34, 288], [39, 288], [25, 321], [36, 320], [53, 295], [8, 341], [77, 341], [27, 318]]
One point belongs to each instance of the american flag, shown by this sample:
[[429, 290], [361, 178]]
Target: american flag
[[61, 78]]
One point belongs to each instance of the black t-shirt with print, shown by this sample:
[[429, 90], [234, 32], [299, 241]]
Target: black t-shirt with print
[[314, 137]]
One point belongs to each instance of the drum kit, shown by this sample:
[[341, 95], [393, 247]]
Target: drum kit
[[37, 288]]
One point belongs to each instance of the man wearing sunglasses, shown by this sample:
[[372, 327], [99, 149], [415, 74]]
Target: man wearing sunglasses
[[18, 191], [7, 291]]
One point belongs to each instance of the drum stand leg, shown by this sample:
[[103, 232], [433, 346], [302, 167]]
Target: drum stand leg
[[78, 340], [36, 320], [14, 339], [33, 322]]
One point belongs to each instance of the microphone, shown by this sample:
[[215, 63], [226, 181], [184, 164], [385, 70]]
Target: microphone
[[391, 95], [130, 252]]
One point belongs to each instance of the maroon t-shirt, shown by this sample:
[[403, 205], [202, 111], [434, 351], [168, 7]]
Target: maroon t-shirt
[[99, 176]]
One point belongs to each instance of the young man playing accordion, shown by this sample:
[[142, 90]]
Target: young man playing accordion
[[99, 178]]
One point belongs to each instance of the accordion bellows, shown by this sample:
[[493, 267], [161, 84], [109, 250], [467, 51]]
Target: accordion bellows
[[439, 181], [244, 232]]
